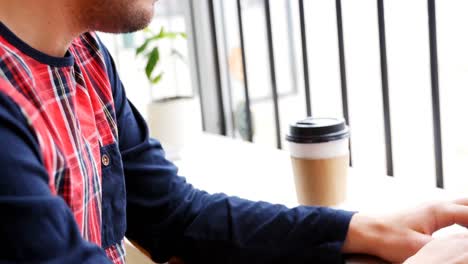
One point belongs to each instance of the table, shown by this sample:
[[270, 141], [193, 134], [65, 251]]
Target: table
[[261, 173], [220, 164], [252, 171]]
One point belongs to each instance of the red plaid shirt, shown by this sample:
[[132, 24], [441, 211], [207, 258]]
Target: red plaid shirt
[[69, 105]]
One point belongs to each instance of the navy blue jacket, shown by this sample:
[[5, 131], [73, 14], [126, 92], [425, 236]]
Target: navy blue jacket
[[164, 213]]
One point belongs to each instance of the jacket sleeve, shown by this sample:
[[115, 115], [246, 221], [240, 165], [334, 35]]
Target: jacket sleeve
[[169, 217], [35, 225]]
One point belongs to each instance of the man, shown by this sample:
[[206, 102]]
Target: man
[[79, 170]]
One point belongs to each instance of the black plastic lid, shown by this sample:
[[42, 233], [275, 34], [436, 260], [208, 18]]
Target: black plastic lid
[[318, 130]]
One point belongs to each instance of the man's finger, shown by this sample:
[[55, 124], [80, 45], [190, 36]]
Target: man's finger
[[452, 214], [461, 201]]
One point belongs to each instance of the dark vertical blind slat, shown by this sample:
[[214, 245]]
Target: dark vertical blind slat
[[222, 120], [197, 62], [305, 57], [246, 80], [274, 86], [435, 94], [385, 88], [228, 83], [344, 81]]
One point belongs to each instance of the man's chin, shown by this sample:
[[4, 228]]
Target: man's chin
[[134, 23], [136, 16], [130, 27]]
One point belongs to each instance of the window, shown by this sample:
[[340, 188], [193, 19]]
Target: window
[[412, 101]]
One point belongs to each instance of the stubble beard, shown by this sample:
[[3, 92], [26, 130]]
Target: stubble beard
[[115, 16]]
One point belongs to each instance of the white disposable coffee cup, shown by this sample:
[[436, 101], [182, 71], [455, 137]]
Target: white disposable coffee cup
[[319, 150]]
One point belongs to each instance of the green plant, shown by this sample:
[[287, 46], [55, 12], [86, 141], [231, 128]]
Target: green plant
[[150, 50]]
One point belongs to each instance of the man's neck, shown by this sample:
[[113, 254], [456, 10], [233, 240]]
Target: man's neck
[[46, 25]]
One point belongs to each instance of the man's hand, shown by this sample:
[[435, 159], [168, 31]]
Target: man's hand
[[397, 237], [449, 250]]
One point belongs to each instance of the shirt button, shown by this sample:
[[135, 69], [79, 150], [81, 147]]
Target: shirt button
[[105, 160]]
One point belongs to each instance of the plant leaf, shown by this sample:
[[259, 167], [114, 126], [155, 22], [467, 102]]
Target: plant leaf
[[152, 62], [171, 35], [157, 79], [142, 47], [163, 34], [148, 40]]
